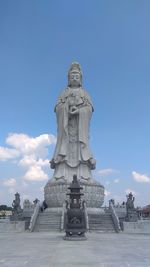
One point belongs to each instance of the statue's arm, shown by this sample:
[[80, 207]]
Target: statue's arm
[[84, 107], [61, 100], [87, 100]]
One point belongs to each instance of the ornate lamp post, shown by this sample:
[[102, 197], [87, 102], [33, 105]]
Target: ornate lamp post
[[75, 224]]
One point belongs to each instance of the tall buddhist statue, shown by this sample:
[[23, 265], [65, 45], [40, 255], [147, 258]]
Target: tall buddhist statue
[[72, 155], [73, 110]]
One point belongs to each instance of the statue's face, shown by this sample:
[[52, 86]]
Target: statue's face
[[74, 79]]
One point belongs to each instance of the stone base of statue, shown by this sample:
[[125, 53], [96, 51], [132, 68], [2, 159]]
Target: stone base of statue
[[55, 192]]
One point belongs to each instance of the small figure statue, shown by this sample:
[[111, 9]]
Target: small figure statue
[[112, 202], [36, 201], [16, 211], [131, 215]]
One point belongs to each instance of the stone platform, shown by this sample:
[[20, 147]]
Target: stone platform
[[139, 227], [12, 226], [55, 193], [49, 249]]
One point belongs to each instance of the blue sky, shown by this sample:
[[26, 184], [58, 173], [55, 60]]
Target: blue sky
[[38, 42]]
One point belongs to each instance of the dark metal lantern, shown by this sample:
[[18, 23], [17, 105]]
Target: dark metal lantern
[[75, 224]]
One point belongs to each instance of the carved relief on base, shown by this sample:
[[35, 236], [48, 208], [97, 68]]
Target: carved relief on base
[[55, 193]]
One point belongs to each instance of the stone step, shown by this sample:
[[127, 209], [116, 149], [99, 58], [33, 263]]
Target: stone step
[[102, 231], [48, 227], [49, 217], [101, 222], [100, 227], [47, 230], [48, 221], [98, 221], [49, 214], [100, 216]]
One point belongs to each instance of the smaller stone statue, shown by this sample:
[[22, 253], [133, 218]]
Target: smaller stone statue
[[112, 202], [36, 201], [131, 215], [28, 208], [16, 211]]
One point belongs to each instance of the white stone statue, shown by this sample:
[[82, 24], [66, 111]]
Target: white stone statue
[[72, 155], [73, 110]]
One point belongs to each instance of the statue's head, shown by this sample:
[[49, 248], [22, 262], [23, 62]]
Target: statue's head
[[17, 196], [75, 75]]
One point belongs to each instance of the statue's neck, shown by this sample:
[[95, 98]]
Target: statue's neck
[[74, 87]]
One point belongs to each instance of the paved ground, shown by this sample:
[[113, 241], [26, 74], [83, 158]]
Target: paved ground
[[50, 250]]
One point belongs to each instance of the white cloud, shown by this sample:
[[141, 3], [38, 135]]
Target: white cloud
[[29, 160], [8, 153], [128, 191], [35, 173], [32, 153], [140, 178], [23, 145], [105, 172], [116, 181], [30, 145], [107, 193], [10, 182]]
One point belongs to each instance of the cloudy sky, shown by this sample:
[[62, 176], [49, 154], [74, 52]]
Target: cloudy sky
[[38, 41]]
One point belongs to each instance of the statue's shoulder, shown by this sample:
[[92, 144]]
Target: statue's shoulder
[[86, 95], [63, 95]]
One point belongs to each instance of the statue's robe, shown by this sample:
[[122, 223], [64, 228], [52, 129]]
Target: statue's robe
[[72, 153]]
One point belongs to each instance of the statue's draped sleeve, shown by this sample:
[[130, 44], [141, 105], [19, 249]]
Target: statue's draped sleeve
[[85, 114], [62, 129]]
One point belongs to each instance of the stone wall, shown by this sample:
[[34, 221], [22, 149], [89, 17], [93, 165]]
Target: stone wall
[[12, 226], [141, 226]]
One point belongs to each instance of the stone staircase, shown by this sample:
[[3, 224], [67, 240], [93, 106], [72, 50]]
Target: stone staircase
[[101, 222], [48, 220]]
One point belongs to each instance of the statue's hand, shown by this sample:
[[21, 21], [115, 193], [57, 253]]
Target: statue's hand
[[74, 110]]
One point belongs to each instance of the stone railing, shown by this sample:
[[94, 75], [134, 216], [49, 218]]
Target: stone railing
[[86, 215], [34, 217], [63, 216], [115, 218]]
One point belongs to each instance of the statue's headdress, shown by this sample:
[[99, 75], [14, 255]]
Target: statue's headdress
[[75, 66]]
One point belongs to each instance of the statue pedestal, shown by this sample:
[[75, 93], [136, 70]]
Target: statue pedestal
[[55, 193]]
